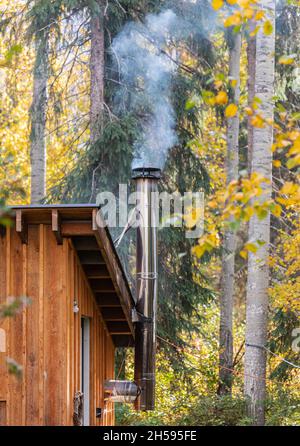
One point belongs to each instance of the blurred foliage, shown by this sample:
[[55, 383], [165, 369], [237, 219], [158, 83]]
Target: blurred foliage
[[13, 306], [188, 328]]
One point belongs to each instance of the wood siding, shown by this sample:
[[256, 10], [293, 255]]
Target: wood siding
[[44, 338]]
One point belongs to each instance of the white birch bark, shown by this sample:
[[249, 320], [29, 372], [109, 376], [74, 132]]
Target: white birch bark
[[258, 270], [251, 53], [38, 119], [229, 242]]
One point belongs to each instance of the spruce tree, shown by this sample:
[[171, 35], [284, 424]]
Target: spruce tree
[[107, 162]]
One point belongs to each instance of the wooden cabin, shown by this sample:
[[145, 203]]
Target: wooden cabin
[[79, 312]]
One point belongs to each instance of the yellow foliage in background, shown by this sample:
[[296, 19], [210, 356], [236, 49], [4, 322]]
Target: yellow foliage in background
[[285, 291], [67, 129], [67, 111], [15, 100]]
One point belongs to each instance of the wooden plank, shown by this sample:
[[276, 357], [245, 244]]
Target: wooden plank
[[8, 323], [42, 213], [116, 328], [107, 300], [94, 219], [3, 322], [77, 330], [102, 370], [3, 269], [75, 228], [113, 314], [56, 226], [92, 363], [109, 374], [91, 258], [2, 231], [104, 285], [96, 271], [64, 331], [41, 332], [16, 334], [32, 328], [98, 368], [82, 293], [3, 420], [21, 226], [70, 297], [95, 371], [85, 243], [24, 340], [54, 330]]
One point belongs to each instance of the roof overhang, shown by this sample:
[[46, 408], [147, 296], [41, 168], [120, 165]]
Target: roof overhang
[[83, 224]]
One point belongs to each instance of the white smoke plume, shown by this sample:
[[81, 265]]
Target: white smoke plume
[[145, 68]]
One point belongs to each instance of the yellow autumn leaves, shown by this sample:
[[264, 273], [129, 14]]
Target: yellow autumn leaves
[[221, 98], [244, 11], [268, 27], [217, 4], [231, 110], [285, 260], [207, 243], [288, 144], [241, 200], [289, 196], [287, 60]]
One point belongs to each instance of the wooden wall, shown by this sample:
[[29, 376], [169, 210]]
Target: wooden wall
[[45, 337]]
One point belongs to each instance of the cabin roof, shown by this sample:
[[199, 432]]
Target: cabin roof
[[97, 255]]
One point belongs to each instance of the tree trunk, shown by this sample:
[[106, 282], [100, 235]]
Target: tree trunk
[[38, 118], [229, 242], [251, 57], [97, 64], [258, 270]]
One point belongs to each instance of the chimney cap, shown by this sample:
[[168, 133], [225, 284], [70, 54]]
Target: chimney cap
[[146, 172]]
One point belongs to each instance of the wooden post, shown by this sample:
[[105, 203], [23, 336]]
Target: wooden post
[[21, 226], [56, 226]]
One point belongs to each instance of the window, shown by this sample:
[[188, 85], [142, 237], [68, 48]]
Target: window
[[85, 368]]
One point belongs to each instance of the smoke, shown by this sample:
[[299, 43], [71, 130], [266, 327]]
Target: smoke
[[145, 68], [145, 57]]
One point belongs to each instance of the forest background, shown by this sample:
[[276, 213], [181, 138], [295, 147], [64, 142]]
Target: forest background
[[68, 125]]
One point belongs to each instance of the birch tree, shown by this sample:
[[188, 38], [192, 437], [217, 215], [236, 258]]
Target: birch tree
[[259, 229], [251, 51], [229, 242], [38, 117], [97, 71]]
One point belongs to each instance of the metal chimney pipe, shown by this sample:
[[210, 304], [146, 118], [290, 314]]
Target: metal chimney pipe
[[146, 286], [120, 391]]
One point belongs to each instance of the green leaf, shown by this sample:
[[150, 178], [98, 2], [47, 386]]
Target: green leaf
[[190, 103]]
